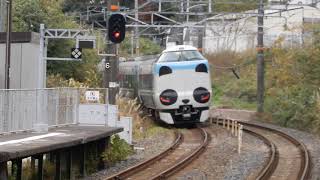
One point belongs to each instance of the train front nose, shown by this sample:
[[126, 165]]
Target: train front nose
[[183, 91], [182, 83]]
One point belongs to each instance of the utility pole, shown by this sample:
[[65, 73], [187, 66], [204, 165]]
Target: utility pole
[[3, 11], [8, 44], [260, 59]]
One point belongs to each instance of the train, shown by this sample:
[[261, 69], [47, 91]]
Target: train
[[174, 85]]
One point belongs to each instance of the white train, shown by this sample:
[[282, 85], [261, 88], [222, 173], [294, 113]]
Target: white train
[[175, 86]]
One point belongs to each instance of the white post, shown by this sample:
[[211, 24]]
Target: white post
[[236, 129], [41, 59], [228, 124], [232, 127], [240, 139], [159, 10]]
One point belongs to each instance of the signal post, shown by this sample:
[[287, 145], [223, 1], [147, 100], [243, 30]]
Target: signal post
[[116, 34]]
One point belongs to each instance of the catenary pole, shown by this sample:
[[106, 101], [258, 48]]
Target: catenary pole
[[8, 44], [136, 30], [260, 59]]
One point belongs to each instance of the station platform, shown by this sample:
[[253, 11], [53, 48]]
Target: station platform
[[26, 144], [18, 146]]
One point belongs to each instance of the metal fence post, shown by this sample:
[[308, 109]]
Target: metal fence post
[[57, 92], [77, 106]]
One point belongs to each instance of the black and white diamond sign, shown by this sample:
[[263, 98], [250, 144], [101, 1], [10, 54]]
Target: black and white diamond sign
[[76, 53]]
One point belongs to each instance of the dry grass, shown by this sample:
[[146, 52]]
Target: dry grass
[[143, 125], [228, 58], [222, 61]]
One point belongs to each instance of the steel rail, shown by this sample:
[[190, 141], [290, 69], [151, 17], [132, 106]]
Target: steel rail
[[134, 169], [270, 165], [304, 172], [170, 171], [272, 162]]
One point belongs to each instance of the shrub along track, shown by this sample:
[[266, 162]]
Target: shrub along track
[[288, 159], [188, 145]]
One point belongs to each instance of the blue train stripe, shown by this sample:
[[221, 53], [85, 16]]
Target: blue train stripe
[[185, 65]]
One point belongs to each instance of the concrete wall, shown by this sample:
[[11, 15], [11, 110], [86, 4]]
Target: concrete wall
[[24, 64]]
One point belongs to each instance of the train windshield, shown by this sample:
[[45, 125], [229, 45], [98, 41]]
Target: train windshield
[[175, 56]]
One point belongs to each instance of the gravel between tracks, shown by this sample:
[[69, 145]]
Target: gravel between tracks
[[153, 145], [222, 161]]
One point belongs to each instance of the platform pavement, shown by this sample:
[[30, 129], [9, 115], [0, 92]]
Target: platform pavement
[[26, 144]]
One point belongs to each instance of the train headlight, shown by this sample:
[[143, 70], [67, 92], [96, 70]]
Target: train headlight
[[201, 95], [168, 97]]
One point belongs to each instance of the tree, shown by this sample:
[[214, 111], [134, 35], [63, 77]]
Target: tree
[[29, 14]]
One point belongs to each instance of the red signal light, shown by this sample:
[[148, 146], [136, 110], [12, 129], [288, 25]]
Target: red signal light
[[116, 28], [116, 35]]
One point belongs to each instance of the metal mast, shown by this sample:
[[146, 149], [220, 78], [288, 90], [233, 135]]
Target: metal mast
[[8, 44], [136, 29], [260, 59]]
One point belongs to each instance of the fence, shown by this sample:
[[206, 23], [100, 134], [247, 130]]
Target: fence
[[22, 110], [231, 125]]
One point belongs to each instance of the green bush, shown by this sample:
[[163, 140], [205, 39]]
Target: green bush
[[291, 85], [228, 91], [292, 94], [119, 150]]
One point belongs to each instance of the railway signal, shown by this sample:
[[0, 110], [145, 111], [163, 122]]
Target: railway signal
[[116, 28]]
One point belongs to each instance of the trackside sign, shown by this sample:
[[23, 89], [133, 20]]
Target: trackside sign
[[92, 95]]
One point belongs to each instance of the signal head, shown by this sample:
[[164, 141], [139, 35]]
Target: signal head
[[116, 28]]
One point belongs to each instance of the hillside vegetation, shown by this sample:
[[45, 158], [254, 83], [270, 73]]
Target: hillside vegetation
[[292, 97]]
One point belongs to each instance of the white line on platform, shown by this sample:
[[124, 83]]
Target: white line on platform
[[30, 138]]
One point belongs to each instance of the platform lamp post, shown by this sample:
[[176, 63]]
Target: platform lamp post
[[8, 44]]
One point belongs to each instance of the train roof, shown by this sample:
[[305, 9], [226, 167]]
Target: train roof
[[180, 48]]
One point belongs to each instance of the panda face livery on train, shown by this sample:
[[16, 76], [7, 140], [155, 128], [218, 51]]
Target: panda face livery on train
[[175, 86]]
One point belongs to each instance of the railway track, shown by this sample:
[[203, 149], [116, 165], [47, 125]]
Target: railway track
[[288, 158], [187, 146]]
